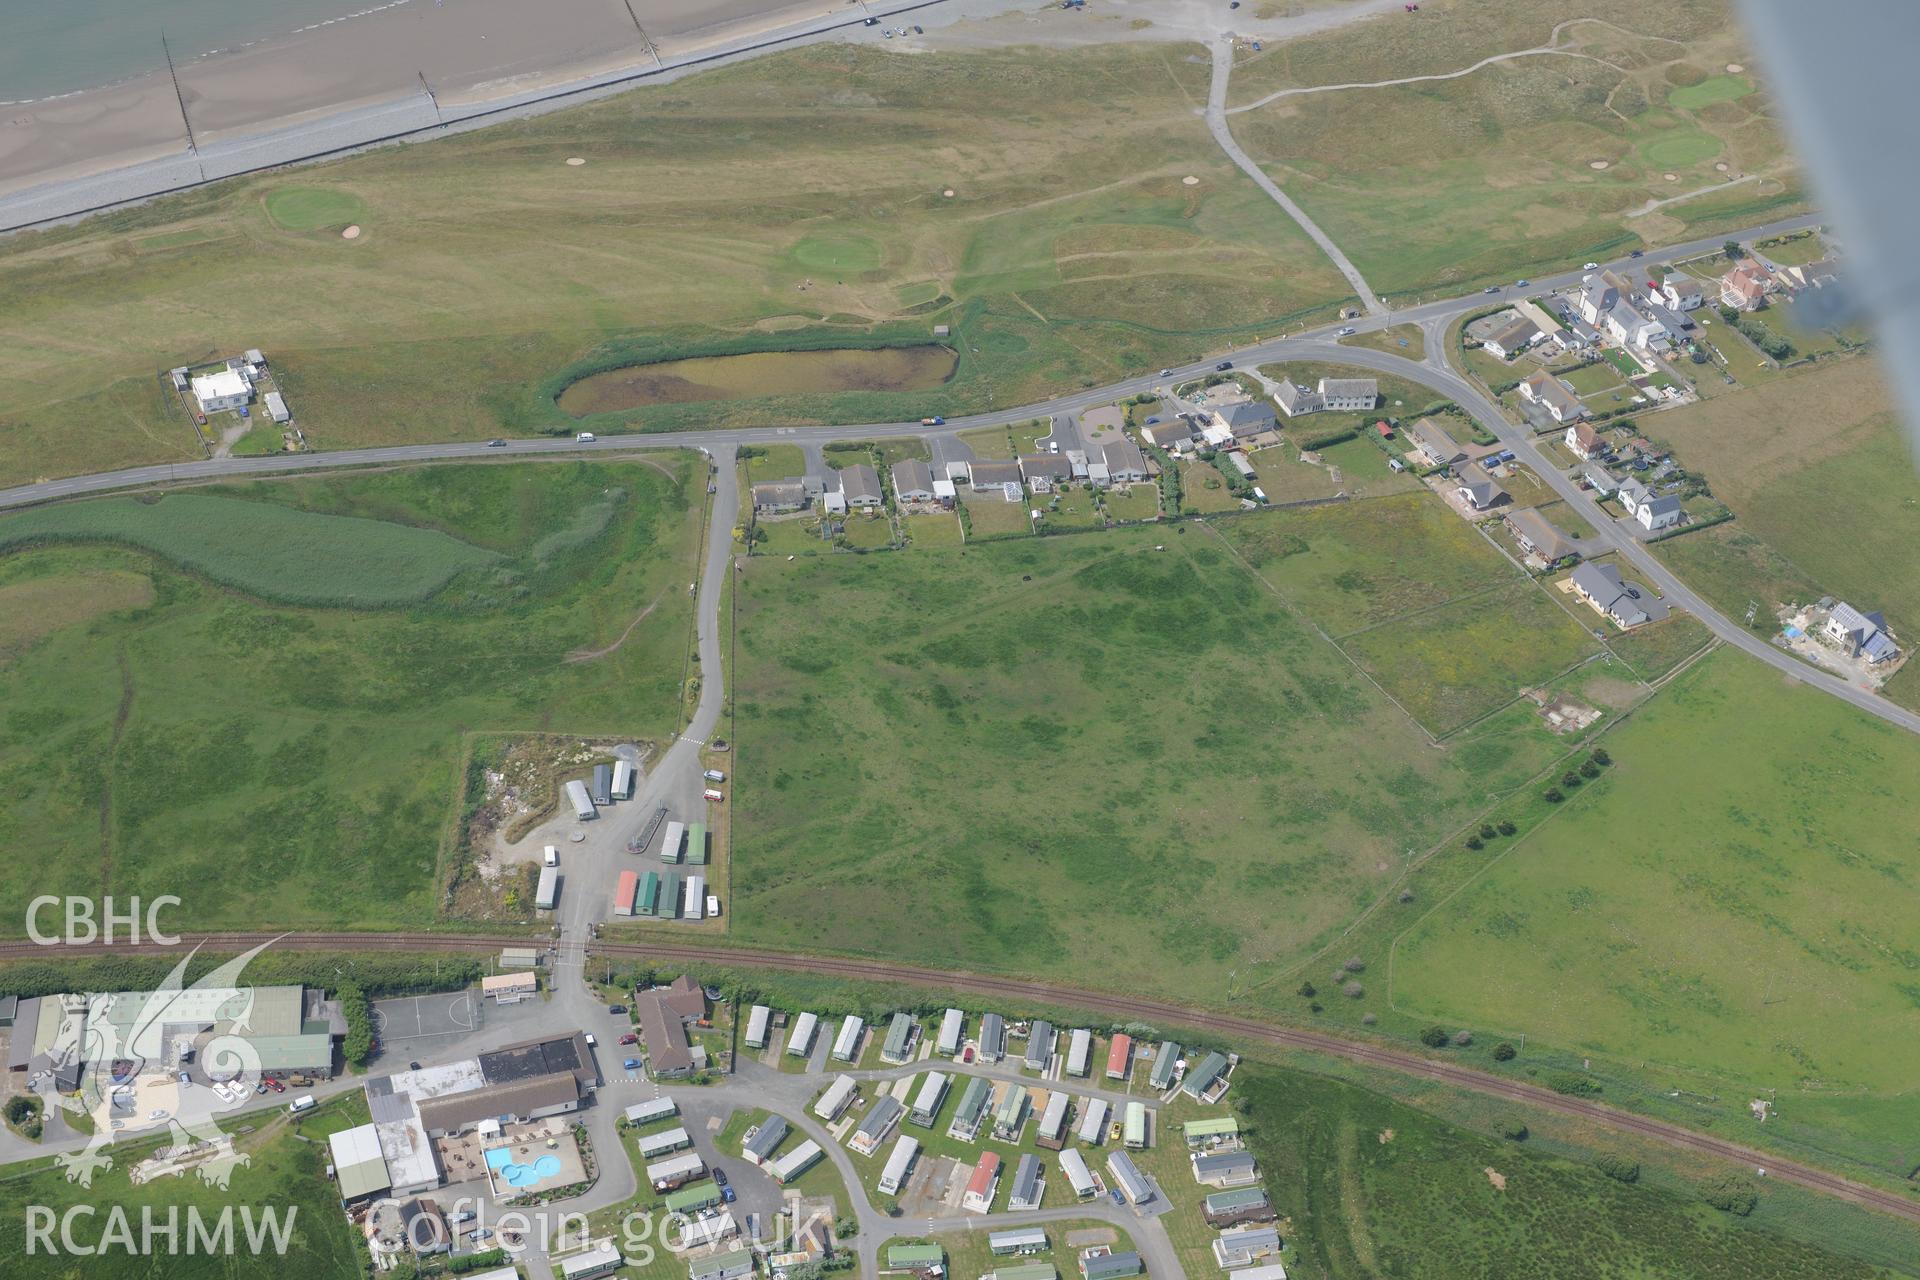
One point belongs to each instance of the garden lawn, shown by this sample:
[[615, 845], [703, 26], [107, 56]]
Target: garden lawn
[[1755, 926], [1045, 687], [299, 766]]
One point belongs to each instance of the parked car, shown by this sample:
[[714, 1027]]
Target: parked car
[[711, 794], [719, 1177], [631, 1064], [413, 1066], [1117, 1197], [185, 1079], [629, 1038], [726, 1195], [275, 1085], [1591, 266], [261, 1087], [616, 1009], [713, 906]]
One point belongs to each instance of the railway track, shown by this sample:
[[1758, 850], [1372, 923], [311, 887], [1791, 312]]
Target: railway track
[[1124, 1008]]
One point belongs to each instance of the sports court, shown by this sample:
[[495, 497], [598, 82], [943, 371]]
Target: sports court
[[428, 1017]]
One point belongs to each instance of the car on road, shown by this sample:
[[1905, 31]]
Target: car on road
[[1521, 284], [275, 1085], [1591, 266], [616, 1009], [496, 444], [631, 1064], [1223, 366], [585, 437], [413, 1066], [1492, 288], [935, 421], [1638, 253], [1347, 331], [1166, 373], [870, 22]]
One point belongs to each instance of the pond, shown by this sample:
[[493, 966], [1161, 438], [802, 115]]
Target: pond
[[761, 373]]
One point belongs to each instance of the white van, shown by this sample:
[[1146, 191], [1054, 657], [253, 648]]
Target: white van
[[714, 775], [553, 855], [585, 437], [711, 794], [302, 1103], [713, 906]]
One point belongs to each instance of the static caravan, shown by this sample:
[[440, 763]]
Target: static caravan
[[622, 780], [1127, 1178], [647, 901], [626, 889], [926, 1103], [583, 809], [668, 907], [671, 845], [881, 1120], [1136, 1126], [1005, 1244], [697, 843], [665, 1175], [795, 1162], [1040, 1046], [651, 1111], [1074, 1165], [902, 1034], [835, 1099], [1053, 1122], [993, 1038], [1079, 1052], [846, 1045], [1028, 1185], [1093, 1122], [965, 1124], [953, 1024], [602, 789], [759, 1018], [659, 1144], [547, 896], [899, 1165], [696, 896], [765, 1139], [1166, 1060], [800, 1041]]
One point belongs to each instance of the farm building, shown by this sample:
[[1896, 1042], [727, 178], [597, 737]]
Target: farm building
[[1093, 1121], [734, 1264], [899, 1165], [1225, 1168], [993, 1038], [926, 1103], [1166, 1060], [1202, 1078], [676, 839], [1243, 1204], [1120, 1057], [880, 1122], [978, 1196], [1237, 1246], [1028, 1184], [655, 1110], [846, 1045], [659, 1144], [796, 1162], [1127, 1178], [1052, 1133], [582, 803], [902, 1033], [953, 1024], [1079, 1052], [1211, 1132], [602, 787], [1011, 1115], [1005, 1244], [758, 1019], [758, 1147], [1040, 1046], [546, 895], [1103, 1263], [677, 1171], [835, 1099], [1074, 1166], [965, 1124], [626, 889], [622, 780], [1135, 1126]]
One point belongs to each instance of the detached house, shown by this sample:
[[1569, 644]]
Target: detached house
[[1434, 445], [1480, 490], [860, 486], [1125, 463], [1584, 442], [1513, 338], [1682, 293], [1859, 634], [1746, 286], [1597, 297], [912, 481], [772, 497], [1552, 395], [1044, 471], [1628, 603], [1245, 420]]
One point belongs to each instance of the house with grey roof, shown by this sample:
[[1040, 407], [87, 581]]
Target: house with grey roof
[[773, 497], [1348, 395], [1597, 297], [1628, 604], [1172, 434], [1044, 471], [1481, 491], [912, 481], [1246, 419], [1510, 339], [1551, 394], [1597, 478], [860, 486], [988, 475], [1859, 635], [1537, 536], [1124, 461], [1434, 445]]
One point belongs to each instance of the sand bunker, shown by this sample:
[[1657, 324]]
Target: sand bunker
[[1671, 177], [351, 233], [948, 193], [1190, 181], [1722, 166], [1734, 68], [575, 161], [1597, 164], [1498, 1179]]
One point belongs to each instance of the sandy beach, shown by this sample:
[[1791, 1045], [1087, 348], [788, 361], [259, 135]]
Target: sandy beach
[[370, 68]]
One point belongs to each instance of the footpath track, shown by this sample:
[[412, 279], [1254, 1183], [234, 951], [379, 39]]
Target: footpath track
[[1229, 1027]]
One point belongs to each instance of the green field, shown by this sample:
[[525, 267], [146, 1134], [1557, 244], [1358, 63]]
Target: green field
[[284, 1174], [1493, 173], [930, 742], [264, 549], [299, 765], [1721, 88], [1742, 912], [711, 218]]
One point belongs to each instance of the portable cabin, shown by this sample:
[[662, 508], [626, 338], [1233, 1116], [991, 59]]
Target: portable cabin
[[623, 780], [758, 1019], [602, 784], [582, 803], [626, 889], [697, 843], [547, 895], [953, 1024], [675, 839], [800, 1040]]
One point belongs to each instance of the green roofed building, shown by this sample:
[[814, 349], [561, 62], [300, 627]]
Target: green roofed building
[[731, 1265], [899, 1041], [701, 1195], [916, 1257], [1218, 1129], [647, 901], [670, 896], [1165, 1059], [1202, 1078], [697, 844], [1024, 1271]]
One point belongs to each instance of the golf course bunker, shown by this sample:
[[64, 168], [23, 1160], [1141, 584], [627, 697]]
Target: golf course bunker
[[761, 373]]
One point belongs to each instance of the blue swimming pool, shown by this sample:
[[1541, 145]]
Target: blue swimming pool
[[515, 1174]]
